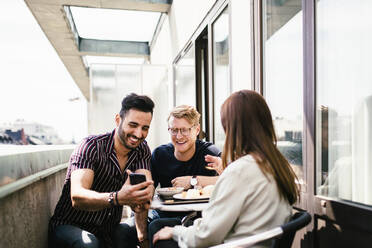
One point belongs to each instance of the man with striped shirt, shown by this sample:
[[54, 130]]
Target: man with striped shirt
[[96, 187]]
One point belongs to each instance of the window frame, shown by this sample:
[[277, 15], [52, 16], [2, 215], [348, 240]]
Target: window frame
[[216, 15], [331, 210]]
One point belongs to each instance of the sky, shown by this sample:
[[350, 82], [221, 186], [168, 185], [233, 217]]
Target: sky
[[34, 83]]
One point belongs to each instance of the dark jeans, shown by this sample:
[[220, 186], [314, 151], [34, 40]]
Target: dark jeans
[[158, 224], [124, 236], [68, 236], [131, 231]]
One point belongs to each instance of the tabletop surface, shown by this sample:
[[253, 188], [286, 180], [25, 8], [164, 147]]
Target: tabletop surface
[[157, 203]]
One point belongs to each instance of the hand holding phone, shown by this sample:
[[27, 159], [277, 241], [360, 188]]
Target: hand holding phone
[[136, 178]]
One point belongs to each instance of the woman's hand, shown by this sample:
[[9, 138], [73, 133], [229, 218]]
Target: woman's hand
[[214, 162], [163, 234]]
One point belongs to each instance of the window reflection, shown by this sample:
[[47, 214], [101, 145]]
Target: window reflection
[[344, 100], [283, 76], [109, 84], [220, 72], [185, 85]]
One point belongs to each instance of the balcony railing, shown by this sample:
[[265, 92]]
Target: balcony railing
[[31, 180]]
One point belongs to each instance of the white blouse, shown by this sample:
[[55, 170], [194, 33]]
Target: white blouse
[[244, 202]]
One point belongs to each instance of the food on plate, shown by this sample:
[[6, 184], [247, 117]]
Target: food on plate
[[198, 193], [207, 190], [192, 193], [169, 189]]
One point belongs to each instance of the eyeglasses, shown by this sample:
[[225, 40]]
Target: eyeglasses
[[183, 131]]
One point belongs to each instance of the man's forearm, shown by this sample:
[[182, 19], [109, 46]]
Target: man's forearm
[[90, 200], [82, 197]]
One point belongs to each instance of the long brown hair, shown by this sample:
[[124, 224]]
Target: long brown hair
[[249, 129]]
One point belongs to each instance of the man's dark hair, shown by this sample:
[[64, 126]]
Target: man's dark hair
[[133, 101]]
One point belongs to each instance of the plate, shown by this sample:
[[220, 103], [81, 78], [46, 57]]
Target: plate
[[168, 192], [178, 202], [180, 197]]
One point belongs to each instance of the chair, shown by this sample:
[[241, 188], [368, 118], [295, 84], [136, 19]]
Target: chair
[[282, 236], [189, 219]]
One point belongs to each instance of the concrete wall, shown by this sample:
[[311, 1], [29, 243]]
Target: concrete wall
[[24, 161], [25, 213]]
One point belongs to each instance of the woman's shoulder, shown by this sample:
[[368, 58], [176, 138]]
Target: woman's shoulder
[[242, 163], [245, 166]]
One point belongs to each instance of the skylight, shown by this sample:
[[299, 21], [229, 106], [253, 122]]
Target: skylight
[[114, 24], [89, 60]]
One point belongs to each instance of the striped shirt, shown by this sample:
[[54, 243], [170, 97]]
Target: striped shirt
[[97, 153]]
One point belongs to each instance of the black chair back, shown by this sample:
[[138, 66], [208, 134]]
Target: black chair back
[[297, 221]]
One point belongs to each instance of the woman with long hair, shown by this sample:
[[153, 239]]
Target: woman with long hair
[[257, 187]]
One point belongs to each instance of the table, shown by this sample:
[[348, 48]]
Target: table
[[158, 204]]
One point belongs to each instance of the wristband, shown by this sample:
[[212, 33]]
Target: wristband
[[111, 199], [116, 199]]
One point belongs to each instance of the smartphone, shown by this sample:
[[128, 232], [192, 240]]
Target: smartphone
[[136, 178]]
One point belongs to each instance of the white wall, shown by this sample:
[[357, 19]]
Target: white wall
[[240, 44]]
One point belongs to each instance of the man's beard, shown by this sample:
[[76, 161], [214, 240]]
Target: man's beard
[[123, 135]]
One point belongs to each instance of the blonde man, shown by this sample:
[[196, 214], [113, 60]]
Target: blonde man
[[182, 163]]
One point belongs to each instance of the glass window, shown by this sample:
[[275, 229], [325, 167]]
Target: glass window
[[112, 24], [109, 84], [103, 76], [185, 85], [344, 100], [221, 78], [283, 76]]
